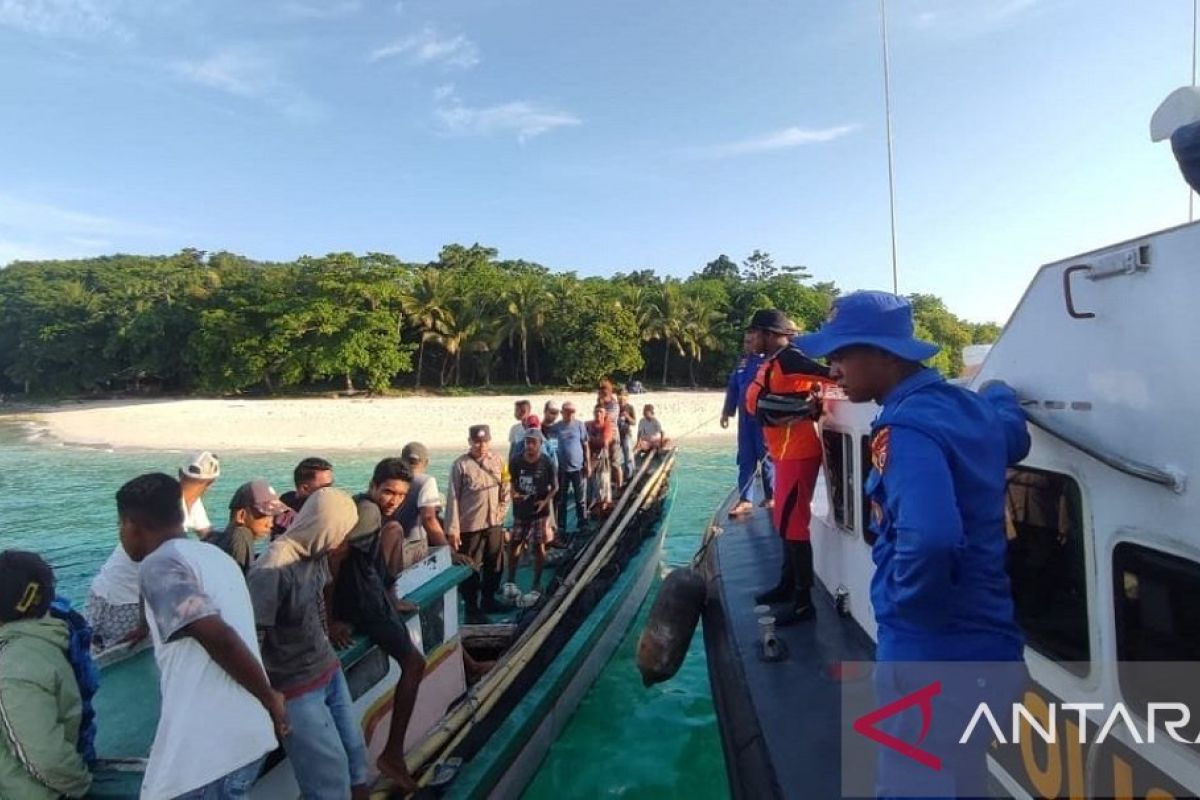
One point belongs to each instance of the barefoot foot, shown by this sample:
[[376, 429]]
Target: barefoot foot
[[397, 771]]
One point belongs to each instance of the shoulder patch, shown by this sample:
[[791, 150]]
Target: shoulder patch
[[880, 444]]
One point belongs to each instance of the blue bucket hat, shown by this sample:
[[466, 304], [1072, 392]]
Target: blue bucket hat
[[879, 319]]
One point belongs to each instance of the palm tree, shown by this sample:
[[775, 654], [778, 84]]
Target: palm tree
[[525, 302], [664, 320], [428, 308], [698, 319]]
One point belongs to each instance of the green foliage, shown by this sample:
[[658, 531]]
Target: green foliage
[[221, 323]]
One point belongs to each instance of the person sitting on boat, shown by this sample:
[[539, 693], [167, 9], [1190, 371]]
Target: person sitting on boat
[[287, 585], [403, 542], [252, 511], [752, 455], [534, 484], [197, 474], [475, 510], [787, 377], [40, 702], [939, 455], [210, 671], [650, 438], [363, 597], [310, 474], [601, 443]]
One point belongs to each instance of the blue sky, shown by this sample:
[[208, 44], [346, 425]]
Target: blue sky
[[600, 137]]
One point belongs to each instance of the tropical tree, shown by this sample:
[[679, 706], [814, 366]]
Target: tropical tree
[[427, 306]]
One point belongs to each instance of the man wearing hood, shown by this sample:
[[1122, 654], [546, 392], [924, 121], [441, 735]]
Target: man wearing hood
[[287, 585], [40, 706]]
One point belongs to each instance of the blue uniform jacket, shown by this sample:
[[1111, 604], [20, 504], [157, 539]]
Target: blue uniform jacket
[[735, 390], [937, 490]]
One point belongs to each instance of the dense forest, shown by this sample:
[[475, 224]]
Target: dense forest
[[221, 323]]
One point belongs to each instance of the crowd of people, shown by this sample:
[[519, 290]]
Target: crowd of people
[[253, 639]]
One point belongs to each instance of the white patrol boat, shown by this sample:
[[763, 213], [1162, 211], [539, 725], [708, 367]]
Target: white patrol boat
[[1103, 554]]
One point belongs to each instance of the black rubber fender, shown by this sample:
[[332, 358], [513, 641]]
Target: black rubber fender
[[672, 622]]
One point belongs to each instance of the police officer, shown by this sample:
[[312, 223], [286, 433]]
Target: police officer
[[751, 447], [937, 490], [780, 398]]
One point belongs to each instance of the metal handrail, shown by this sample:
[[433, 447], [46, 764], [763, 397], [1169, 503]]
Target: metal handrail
[[1174, 481]]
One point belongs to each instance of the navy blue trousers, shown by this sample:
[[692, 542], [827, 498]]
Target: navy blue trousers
[[752, 448]]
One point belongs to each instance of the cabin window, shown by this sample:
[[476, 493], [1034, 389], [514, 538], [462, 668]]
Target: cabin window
[[1158, 620], [1047, 564], [839, 473]]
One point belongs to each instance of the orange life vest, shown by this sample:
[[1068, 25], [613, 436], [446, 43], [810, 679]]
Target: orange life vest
[[789, 372]]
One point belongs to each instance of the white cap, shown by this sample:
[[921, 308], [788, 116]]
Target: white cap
[[202, 466]]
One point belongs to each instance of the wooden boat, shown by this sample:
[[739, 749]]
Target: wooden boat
[[483, 741], [1103, 556]]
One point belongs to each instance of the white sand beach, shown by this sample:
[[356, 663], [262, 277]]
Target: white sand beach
[[336, 423]]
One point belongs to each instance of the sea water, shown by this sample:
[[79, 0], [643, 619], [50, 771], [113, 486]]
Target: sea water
[[623, 741]]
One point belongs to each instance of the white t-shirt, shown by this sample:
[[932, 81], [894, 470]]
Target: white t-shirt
[[195, 519], [117, 581], [209, 725]]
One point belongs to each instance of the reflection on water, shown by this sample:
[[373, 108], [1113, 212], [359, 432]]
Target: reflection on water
[[624, 740]]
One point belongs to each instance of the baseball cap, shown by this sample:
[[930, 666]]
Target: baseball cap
[[533, 421], [771, 319], [551, 406], [201, 466], [534, 433], [479, 433], [258, 496], [414, 453], [26, 585]]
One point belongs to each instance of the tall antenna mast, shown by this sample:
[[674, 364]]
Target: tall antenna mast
[[887, 105]]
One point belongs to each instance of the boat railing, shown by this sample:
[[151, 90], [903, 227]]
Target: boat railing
[[1171, 479]]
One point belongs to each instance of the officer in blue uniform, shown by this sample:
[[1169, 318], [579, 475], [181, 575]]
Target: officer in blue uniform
[[751, 447], [940, 592]]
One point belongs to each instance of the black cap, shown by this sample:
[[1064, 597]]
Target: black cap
[[414, 453], [26, 585], [771, 319], [479, 433]]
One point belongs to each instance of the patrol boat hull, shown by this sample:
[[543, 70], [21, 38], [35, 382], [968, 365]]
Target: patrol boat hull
[[1102, 555]]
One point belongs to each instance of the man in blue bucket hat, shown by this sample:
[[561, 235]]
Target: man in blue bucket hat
[[939, 455]]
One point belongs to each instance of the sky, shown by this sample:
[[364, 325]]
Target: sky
[[596, 137]]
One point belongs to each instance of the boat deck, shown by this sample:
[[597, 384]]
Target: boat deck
[[780, 721]]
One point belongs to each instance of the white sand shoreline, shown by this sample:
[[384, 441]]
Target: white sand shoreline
[[332, 424]]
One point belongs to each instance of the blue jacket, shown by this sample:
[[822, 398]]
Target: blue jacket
[[735, 390], [937, 490]]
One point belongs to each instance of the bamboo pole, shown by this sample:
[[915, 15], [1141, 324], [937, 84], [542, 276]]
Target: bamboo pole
[[455, 726]]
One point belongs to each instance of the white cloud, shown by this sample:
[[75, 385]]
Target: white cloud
[[776, 140], [79, 19], [954, 19], [249, 73], [321, 10], [31, 230], [519, 117], [427, 47]]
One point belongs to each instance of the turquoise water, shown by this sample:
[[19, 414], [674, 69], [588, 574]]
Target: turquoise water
[[624, 741]]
